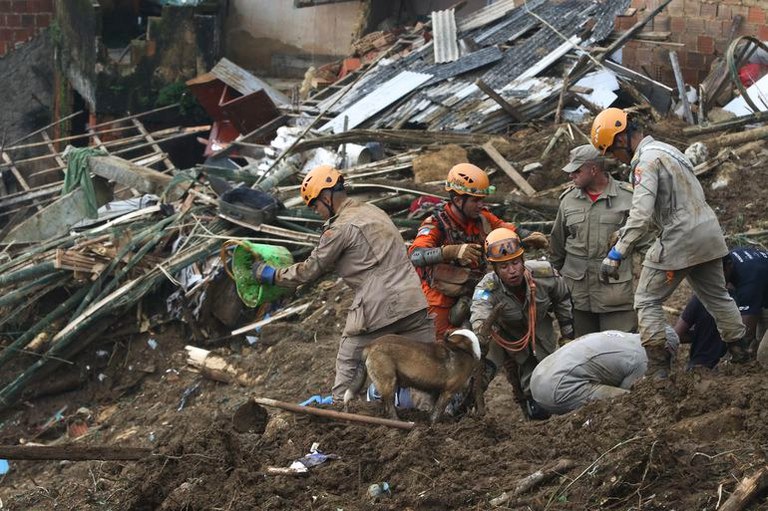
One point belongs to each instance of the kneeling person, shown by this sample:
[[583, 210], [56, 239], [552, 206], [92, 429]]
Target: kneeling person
[[595, 366]]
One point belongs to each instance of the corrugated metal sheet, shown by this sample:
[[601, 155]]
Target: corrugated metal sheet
[[486, 15], [386, 94], [244, 82], [445, 47]]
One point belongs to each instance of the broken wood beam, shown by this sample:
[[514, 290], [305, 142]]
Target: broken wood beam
[[503, 103], [736, 139], [395, 137], [519, 180], [531, 481], [747, 490], [72, 452], [736, 122], [129, 174], [687, 114], [215, 367], [331, 414]]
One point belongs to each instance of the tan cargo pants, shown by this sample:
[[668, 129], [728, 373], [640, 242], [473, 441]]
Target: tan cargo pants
[[418, 326], [585, 322], [707, 281]]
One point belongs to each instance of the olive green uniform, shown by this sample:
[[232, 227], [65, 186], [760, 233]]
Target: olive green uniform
[[580, 240], [552, 298]]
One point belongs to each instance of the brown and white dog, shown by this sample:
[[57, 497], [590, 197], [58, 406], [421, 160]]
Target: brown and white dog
[[439, 369]]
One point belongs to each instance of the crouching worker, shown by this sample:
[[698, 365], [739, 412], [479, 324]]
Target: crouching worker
[[522, 332], [362, 245], [595, 366]]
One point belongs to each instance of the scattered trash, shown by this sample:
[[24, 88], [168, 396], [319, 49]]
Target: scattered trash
[[4, 467], [188, 394], [152, 343], [251, 339], [303, 464], [377, 490]]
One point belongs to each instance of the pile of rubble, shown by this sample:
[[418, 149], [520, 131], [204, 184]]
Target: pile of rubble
[[509, 88]]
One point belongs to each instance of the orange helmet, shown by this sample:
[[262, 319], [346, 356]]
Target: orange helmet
[[468, 179], [502, 244], [318, 179], [606, 126]]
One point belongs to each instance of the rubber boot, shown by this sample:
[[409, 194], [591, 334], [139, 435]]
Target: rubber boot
[[740, 350], [659, 362]]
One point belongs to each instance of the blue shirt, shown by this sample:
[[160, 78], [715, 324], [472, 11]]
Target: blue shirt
[[749, 277]]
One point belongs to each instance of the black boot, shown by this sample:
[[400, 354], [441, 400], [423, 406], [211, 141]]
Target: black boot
[[740, 350], [659, 362]]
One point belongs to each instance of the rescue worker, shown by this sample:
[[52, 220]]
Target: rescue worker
[[362, 245], [589, 214], [447, 251], [521, 332], [690, 244], [746, 273], [599, 365], [697, 327]]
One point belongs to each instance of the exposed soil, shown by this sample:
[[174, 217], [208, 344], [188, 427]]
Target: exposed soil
[[680, 444]]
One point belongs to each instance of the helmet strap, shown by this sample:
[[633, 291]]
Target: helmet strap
[[328, 204], [464, 199]]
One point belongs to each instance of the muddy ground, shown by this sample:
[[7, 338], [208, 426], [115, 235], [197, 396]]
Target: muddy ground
[[682, 444]]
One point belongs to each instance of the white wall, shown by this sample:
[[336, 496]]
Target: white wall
[[255, 29]]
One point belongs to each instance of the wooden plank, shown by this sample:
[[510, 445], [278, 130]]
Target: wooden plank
[[508, 169], [166, 162], [681, 87], [503, 103], [126, 173], [54, 152], [16, 173], [72, 452]]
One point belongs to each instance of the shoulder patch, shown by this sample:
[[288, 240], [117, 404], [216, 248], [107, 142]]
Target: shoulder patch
[[567, 191], [425, 229], [481, 294], [626, 186], [540, 269]]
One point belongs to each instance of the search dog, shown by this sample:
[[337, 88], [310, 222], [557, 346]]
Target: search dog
[[441, 369]]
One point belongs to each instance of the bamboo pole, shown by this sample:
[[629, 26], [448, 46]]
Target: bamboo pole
[[331, 414], [24, 291], [32, 272]]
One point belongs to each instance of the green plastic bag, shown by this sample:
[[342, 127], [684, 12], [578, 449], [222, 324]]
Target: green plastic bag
[[252, 292]]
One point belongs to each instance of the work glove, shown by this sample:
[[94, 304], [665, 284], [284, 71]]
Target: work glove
[[263, 272], [536, 240], [610, 266], [466, 253]]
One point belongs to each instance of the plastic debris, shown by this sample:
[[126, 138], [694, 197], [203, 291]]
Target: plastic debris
[[318, 399], [152, 343], [378, 489], [187, 395]]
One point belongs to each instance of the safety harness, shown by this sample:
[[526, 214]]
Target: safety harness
[[529, 339]]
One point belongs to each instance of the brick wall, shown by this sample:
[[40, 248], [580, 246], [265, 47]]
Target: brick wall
[[21, 20], [702, 26]]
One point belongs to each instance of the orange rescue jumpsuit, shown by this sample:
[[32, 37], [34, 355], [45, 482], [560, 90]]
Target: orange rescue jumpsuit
[[445, 227]]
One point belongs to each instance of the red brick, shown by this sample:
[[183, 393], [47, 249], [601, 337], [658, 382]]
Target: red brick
[[756, 15], [661, 23], [691, 76], [20, 35], [692, 7], [27, 20], [676, 8], [19, 6], [705, 45], [6, 34], [5, 5], [695, 26], [740, 10], [12, 20], [695, 60], [43, 20], [762, 33], [677, 25], [46, 6], [708, 11]]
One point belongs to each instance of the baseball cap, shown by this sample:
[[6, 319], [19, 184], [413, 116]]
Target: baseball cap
[[581, 155]]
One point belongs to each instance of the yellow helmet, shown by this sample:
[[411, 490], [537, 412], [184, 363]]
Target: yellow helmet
[[502, 244], [606, 126], [318, 179], [468, 179]]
